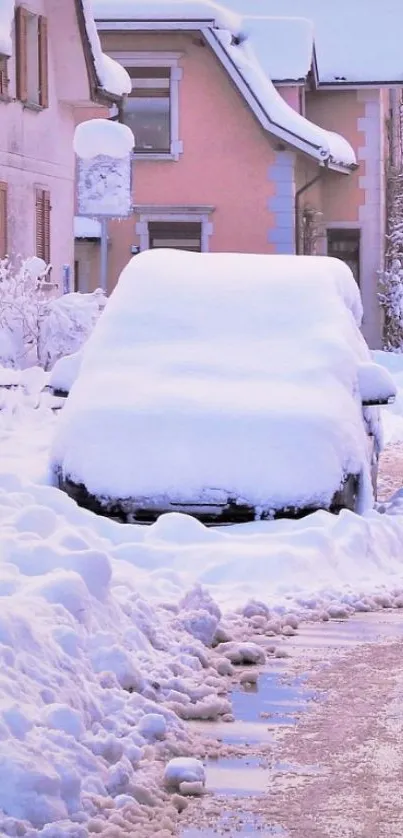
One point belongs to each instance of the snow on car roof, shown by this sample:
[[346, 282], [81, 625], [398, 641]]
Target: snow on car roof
[[227, 372]]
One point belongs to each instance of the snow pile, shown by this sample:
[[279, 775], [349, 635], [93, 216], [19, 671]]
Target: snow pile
[[327, 144], [291, 40], [6, 23], [68, 323], [101, 136], [232, 391], [112, 76]]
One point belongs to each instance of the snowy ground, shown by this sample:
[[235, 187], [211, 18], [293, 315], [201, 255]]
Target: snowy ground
[[105, 638]]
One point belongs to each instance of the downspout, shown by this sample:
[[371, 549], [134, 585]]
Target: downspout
[[298, 194]]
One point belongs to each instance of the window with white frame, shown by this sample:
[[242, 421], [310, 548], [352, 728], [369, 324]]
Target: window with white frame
[[152, 108], [147, 110]]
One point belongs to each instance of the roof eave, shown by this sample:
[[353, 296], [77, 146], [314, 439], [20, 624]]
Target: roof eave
[[267, 123], [98, 94], [353, 85], [342, 168]]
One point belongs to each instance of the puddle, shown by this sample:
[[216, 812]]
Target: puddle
[[260, 709], [272, 702], [241, 776]]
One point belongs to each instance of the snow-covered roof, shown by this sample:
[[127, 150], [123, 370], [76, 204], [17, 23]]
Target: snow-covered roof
[[283, 45], [112, 77], [357, 41], [226, 33], [326, 146], [6, 20], [86, 228], [207, 11]]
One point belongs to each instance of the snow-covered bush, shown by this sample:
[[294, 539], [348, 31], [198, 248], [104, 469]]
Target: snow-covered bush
[[68, 322], [36, 325], [24, 295]]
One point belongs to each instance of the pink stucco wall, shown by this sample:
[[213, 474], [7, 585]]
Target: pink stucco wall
[[36, 148], [342, 196], [225, 161], [291, 95]]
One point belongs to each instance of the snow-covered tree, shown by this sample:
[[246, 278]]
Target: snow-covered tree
[[391, 279]]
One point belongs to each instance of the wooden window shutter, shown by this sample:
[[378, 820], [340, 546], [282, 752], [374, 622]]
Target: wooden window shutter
[[42, 210], [3, 77], [21, 18], [43, 62], [3, 220], [46, 227]]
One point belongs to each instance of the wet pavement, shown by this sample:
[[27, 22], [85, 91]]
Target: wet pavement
[[239, 787]]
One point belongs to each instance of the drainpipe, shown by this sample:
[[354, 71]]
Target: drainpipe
[[298, 194], [103, 279]]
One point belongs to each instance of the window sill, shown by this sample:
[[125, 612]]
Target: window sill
[[32, 106], [137, 155]]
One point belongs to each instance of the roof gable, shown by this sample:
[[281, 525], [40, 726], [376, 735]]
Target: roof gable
[[235, 51]]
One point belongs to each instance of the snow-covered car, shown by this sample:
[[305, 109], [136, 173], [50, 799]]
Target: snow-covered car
[[229, 386]]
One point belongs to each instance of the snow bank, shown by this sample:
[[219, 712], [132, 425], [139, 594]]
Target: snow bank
[[202, 358], [102, 136], [6, 23]]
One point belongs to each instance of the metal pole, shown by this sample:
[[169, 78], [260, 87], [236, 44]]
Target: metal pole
[[104, 255]]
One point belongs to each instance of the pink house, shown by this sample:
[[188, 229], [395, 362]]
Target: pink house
[[244, 142], [52, 71]]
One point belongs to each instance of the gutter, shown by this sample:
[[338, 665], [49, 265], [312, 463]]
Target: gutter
[[297, 205]]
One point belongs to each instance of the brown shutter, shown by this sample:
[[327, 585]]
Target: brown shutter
[[42, 210], [3, 220], [43, 62], [3, 77], [21, 18], [46, 227]]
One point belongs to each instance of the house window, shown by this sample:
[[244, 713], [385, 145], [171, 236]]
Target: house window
[[345, 245], [32, 58], [3, 220], [175, 234], [147, 110], [3, 77], [42, 224]]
